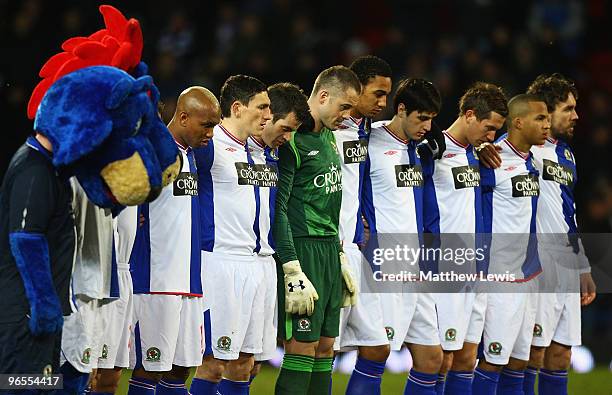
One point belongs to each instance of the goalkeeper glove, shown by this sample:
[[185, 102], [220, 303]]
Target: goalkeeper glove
[[349, 291], [433, 146], [300, 294]]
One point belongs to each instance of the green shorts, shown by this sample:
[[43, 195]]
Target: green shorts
[[320, 262]]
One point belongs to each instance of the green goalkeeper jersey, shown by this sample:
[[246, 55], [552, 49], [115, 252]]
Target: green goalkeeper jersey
[[309, 190]]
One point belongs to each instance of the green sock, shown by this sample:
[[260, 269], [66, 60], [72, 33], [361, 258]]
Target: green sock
[[320, 379], [294, 376]]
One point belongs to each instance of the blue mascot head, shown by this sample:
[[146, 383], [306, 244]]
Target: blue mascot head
[[104, 128]]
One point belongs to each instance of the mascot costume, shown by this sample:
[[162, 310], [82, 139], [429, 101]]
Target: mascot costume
[[96, 119]]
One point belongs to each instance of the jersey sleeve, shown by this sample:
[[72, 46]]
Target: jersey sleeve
[[32, 200], [283, 237]]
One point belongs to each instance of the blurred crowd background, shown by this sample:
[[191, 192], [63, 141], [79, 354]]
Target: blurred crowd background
[[452, 43]]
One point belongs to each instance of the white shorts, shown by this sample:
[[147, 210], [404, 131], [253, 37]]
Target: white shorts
[[558, 316], [362, 324], [454, 311], [270, 317], [168, 329], [509, 322], [477, 318], [234, 290], [117, 324], [410, 318], [80, 335]]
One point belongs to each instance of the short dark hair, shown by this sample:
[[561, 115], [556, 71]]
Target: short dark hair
[[553, 89], [337, 77], [484, 98], [518, 104], [417, 95], [286, 98], [240, 88], [366, 67]]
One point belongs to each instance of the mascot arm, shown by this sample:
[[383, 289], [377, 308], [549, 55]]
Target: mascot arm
[[32, 201], [31, 254]]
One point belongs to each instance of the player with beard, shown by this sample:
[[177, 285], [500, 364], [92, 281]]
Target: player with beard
[[557, 326]]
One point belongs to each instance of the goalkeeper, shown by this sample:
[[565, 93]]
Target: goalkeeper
[[314, 279]]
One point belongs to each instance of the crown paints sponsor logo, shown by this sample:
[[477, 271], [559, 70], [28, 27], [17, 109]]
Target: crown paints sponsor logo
[[331, 180], [260, 175], [355, 151], [391, 152], [186, 184], [525, 185], [409, 176], [558, 173], [466, 177]]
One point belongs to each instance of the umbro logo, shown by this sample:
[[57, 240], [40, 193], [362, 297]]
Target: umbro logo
[[313, 153], [230, 149], [392, 152]]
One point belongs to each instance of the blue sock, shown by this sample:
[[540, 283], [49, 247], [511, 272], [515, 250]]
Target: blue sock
[[459, 383], [552, 382], [202, 387], [440, 384], [510, 382], [530, 379], [485, 383], [170, 387], [140, 386], [366, 377], [229, 387], [420, 383], [75, 382]]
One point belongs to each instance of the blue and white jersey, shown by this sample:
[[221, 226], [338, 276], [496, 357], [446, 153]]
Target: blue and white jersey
[[229, 195], [510, 200], [352, 145], [165, 257], [125, 226], [556, 207], [95, 267], [265, 159], [452, 195], [452, 202], [393, 184]]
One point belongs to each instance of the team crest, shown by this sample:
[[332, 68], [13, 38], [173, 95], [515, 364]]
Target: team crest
[[390, 332], [153, 354], [86, 356], [303, 325], [47, 370], [568, 155], [450, 335], [537, 330], [495, 348], [104, 352], [224, 343]]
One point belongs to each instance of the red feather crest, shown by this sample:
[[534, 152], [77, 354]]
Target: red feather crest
[[118, 45]]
